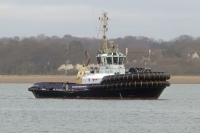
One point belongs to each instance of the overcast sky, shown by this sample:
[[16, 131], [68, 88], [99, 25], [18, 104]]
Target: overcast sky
[[159, 19]]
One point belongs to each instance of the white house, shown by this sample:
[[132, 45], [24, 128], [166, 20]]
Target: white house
[[77, 66], [64, 67], [193, 55]]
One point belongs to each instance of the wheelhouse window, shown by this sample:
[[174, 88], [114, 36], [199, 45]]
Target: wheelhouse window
[[99, 60], [114, 53], [115, 60], [119, 53], [124, 59], [120, 60], [109, 54], [109, 60]]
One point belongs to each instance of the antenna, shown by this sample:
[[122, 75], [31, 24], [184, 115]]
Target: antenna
[[88, 58], [116, 46], [98, 33], [126, 51], [126, 55], [95, 22]]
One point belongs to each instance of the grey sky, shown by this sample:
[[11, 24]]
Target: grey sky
[[159, 19]]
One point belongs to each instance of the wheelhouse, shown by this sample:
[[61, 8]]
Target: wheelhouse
[[115, 58]]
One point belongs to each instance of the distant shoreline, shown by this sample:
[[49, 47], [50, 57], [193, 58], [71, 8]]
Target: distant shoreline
[[62, 78]]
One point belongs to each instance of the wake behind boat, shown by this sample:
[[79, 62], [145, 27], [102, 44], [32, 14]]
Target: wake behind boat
[[109, 81]]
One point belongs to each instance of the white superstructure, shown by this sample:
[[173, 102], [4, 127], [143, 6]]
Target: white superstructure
[[110, 61]]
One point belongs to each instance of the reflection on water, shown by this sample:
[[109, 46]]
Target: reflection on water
[[176, 111]]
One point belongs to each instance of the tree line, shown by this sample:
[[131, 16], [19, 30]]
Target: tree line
[[43, 54]]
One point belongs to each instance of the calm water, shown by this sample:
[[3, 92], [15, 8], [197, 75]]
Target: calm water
[[176, 111]]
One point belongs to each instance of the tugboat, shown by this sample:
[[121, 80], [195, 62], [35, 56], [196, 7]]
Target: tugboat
[[110, 81]]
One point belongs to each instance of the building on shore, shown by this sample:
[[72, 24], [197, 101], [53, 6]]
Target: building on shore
[[63, 67]]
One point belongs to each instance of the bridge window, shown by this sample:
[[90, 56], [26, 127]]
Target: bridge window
[[115, 60], [99, 60], [120, 60], [124, 60], [119, 53], [109, 60]]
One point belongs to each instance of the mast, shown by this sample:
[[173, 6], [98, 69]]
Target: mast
[[104, 19]]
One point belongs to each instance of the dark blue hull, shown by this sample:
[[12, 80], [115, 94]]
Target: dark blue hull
[[124, 86], [120, 93]]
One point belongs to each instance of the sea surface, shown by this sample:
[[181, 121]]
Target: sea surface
[[176, 111]]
